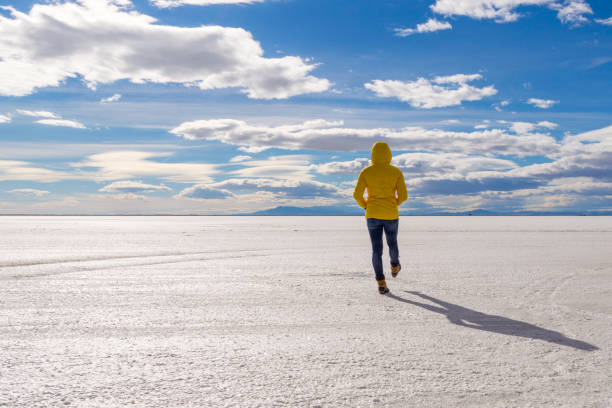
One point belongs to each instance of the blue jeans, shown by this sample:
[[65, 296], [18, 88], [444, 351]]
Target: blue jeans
[[375, 228]]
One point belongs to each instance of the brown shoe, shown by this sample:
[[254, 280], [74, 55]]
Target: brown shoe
[[382, 287], [395, 270]]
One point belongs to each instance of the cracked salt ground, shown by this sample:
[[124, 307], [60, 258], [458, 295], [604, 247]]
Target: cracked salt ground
[[284, 311]]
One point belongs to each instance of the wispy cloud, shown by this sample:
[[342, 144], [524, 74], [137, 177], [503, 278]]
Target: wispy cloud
[[134, 164], [50, 118], [63, 40], [62, 123], [29, 191], [430, 26], [280, 188], [205, 192], [37, 114], [343, 167], [290, 167], [498, 106], [504, 11], [177, 3], [110, 99], [499, 10], [13, 170], [450, 122], [440, 92], [572, 11], [542, 103], [599, 61], [128, 196], [67, 150], [425, 164], [605, 21], [240, 158], [547, 124], [133, 187], [523, 128], [5, 118]]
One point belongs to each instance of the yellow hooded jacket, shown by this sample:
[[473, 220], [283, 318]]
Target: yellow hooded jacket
[[385, 184]]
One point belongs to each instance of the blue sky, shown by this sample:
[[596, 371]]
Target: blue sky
[[230, 106]]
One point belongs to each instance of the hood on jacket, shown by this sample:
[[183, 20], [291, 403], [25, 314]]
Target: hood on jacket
[[381, 153]]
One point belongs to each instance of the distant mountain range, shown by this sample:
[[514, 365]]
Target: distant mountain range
[[342, 210], [321, 210]]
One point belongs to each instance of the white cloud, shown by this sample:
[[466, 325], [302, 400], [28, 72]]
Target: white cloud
[[430, 164], [547, 124], [37, 114], [498, 106], [344, 167], [240, 158], [61, 122], [63, 149], [127, 196], [103, 41], [528, 127], [332, 136], [113, 98], [596, 62], [440, 92], [582, 185], [542, 103], [20, 170], [133, 187], [607, 21], [204, 192], [578, 173], [441, 174], [5, 118], [585, 155], [50, 118], [453, 202], [29, 191], [522, 128], [294, 167], [559, 192], [579, 168], [134, 164], [503, 11], [424, 164], [499, 10], [572, 11], [451, 122], [430, 26], [457, 78], [177, 3], [280, 188]]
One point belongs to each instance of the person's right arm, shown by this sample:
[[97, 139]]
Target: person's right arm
[[359, 190]]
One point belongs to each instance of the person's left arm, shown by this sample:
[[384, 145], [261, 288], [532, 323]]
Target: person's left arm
[[402, 193]]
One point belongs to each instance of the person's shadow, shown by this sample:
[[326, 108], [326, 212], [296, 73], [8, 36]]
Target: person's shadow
[[473, 319]]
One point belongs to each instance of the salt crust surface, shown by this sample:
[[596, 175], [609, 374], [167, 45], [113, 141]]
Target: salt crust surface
[[283, 311]]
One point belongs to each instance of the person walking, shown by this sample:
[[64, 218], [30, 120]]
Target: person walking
[[386, 191]]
